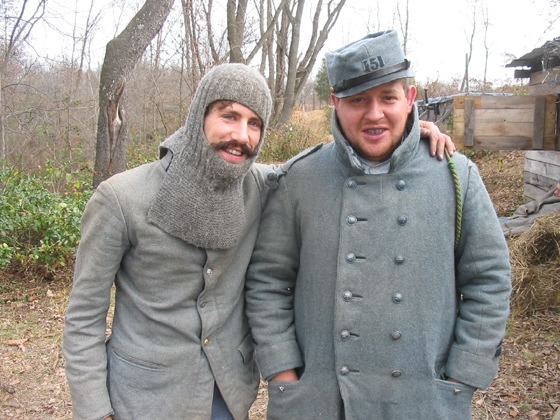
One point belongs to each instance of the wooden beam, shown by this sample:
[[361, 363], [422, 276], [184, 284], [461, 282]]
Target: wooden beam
[[502, 143], [538, 123], [469, 123]]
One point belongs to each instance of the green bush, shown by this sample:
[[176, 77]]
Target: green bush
[[40, 215]]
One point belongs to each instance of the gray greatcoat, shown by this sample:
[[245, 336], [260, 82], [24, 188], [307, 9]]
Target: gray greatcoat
[[356, 282], [179, 319]]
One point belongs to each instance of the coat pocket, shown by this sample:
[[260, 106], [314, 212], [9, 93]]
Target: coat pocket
[[304, 400]]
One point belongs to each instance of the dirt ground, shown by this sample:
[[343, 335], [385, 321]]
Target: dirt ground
[[33, 386]]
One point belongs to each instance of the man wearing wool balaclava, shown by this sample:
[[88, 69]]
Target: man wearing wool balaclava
[[174, 237]]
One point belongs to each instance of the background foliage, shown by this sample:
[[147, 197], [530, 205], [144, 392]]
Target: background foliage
[[40, 216]]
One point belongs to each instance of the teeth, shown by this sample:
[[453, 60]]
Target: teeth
[[234, 152], [376, 131]]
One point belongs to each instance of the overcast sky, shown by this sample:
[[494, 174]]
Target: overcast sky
[[440, 29], [438, 33]]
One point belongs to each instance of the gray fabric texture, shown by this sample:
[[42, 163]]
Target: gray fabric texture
[[179, 324], [355, 282], [201, 199]]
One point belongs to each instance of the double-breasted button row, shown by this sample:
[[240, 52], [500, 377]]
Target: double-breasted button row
[[352, 183]]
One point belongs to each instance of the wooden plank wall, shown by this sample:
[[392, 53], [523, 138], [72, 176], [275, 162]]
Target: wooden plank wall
[[542, 169], [505, 122], [541, 173], [545, 82]]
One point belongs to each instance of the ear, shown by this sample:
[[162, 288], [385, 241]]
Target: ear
[[411, 96], [334, 100]]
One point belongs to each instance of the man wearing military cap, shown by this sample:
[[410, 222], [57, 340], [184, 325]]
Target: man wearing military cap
[[380, 281]]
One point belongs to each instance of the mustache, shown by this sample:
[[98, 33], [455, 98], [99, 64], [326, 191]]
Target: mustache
[[235, 144]]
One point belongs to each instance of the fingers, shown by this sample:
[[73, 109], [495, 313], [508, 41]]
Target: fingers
[[439, 142]]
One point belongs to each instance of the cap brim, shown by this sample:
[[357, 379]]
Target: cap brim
[[403, 74]]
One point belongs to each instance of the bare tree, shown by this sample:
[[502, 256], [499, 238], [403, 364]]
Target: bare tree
[[292, 71], [468, 55], [18, 24], [236, 15], [403, 18], [92, 21], [486, 24], [274, 32], [121, 55]]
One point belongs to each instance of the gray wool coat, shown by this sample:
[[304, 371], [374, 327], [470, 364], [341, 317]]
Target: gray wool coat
[[355, 281], [179, 321]]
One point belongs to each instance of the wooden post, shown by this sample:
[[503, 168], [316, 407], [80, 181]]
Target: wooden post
[[538, 123], [469, 123]]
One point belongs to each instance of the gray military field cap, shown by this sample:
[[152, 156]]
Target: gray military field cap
[[371, 61]]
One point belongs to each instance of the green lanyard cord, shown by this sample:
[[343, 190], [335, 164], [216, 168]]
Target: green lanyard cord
[[458, 199]]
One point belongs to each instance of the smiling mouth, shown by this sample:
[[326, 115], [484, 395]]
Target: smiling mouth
[[235, 148], [375, 131], [234, 152]]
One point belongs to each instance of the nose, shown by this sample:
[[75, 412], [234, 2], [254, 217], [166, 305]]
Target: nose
[[241, 132], [374, 111]]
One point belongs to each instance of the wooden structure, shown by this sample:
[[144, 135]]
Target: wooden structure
[[505, 122], [542, 67]]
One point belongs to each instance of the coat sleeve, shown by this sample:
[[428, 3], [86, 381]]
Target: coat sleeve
[[483, 277], [103, 242], [271, 279]]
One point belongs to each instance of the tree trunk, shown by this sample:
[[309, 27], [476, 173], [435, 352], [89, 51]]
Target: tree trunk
[[296, 73], [121, 55], [236, 11]]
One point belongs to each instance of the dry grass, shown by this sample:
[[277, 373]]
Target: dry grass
[[535, 259]]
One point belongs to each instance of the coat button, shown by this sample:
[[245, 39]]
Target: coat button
[[202, 304], [345, 334], [344, 370], [401, 220], [351, 220], [347, 296], [350, 258], [399, 259], [396, 335], [397, 297], [206, 341], [456, 391], [351, 183], [401, 185], [209, 271], [396, 373]]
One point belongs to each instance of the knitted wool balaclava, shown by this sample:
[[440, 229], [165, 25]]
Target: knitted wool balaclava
[[201, 197]]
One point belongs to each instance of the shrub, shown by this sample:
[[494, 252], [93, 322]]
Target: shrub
[[304, 130], [40, 216]]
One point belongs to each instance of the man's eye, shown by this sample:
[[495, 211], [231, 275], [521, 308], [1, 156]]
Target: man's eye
[[357, 100]]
